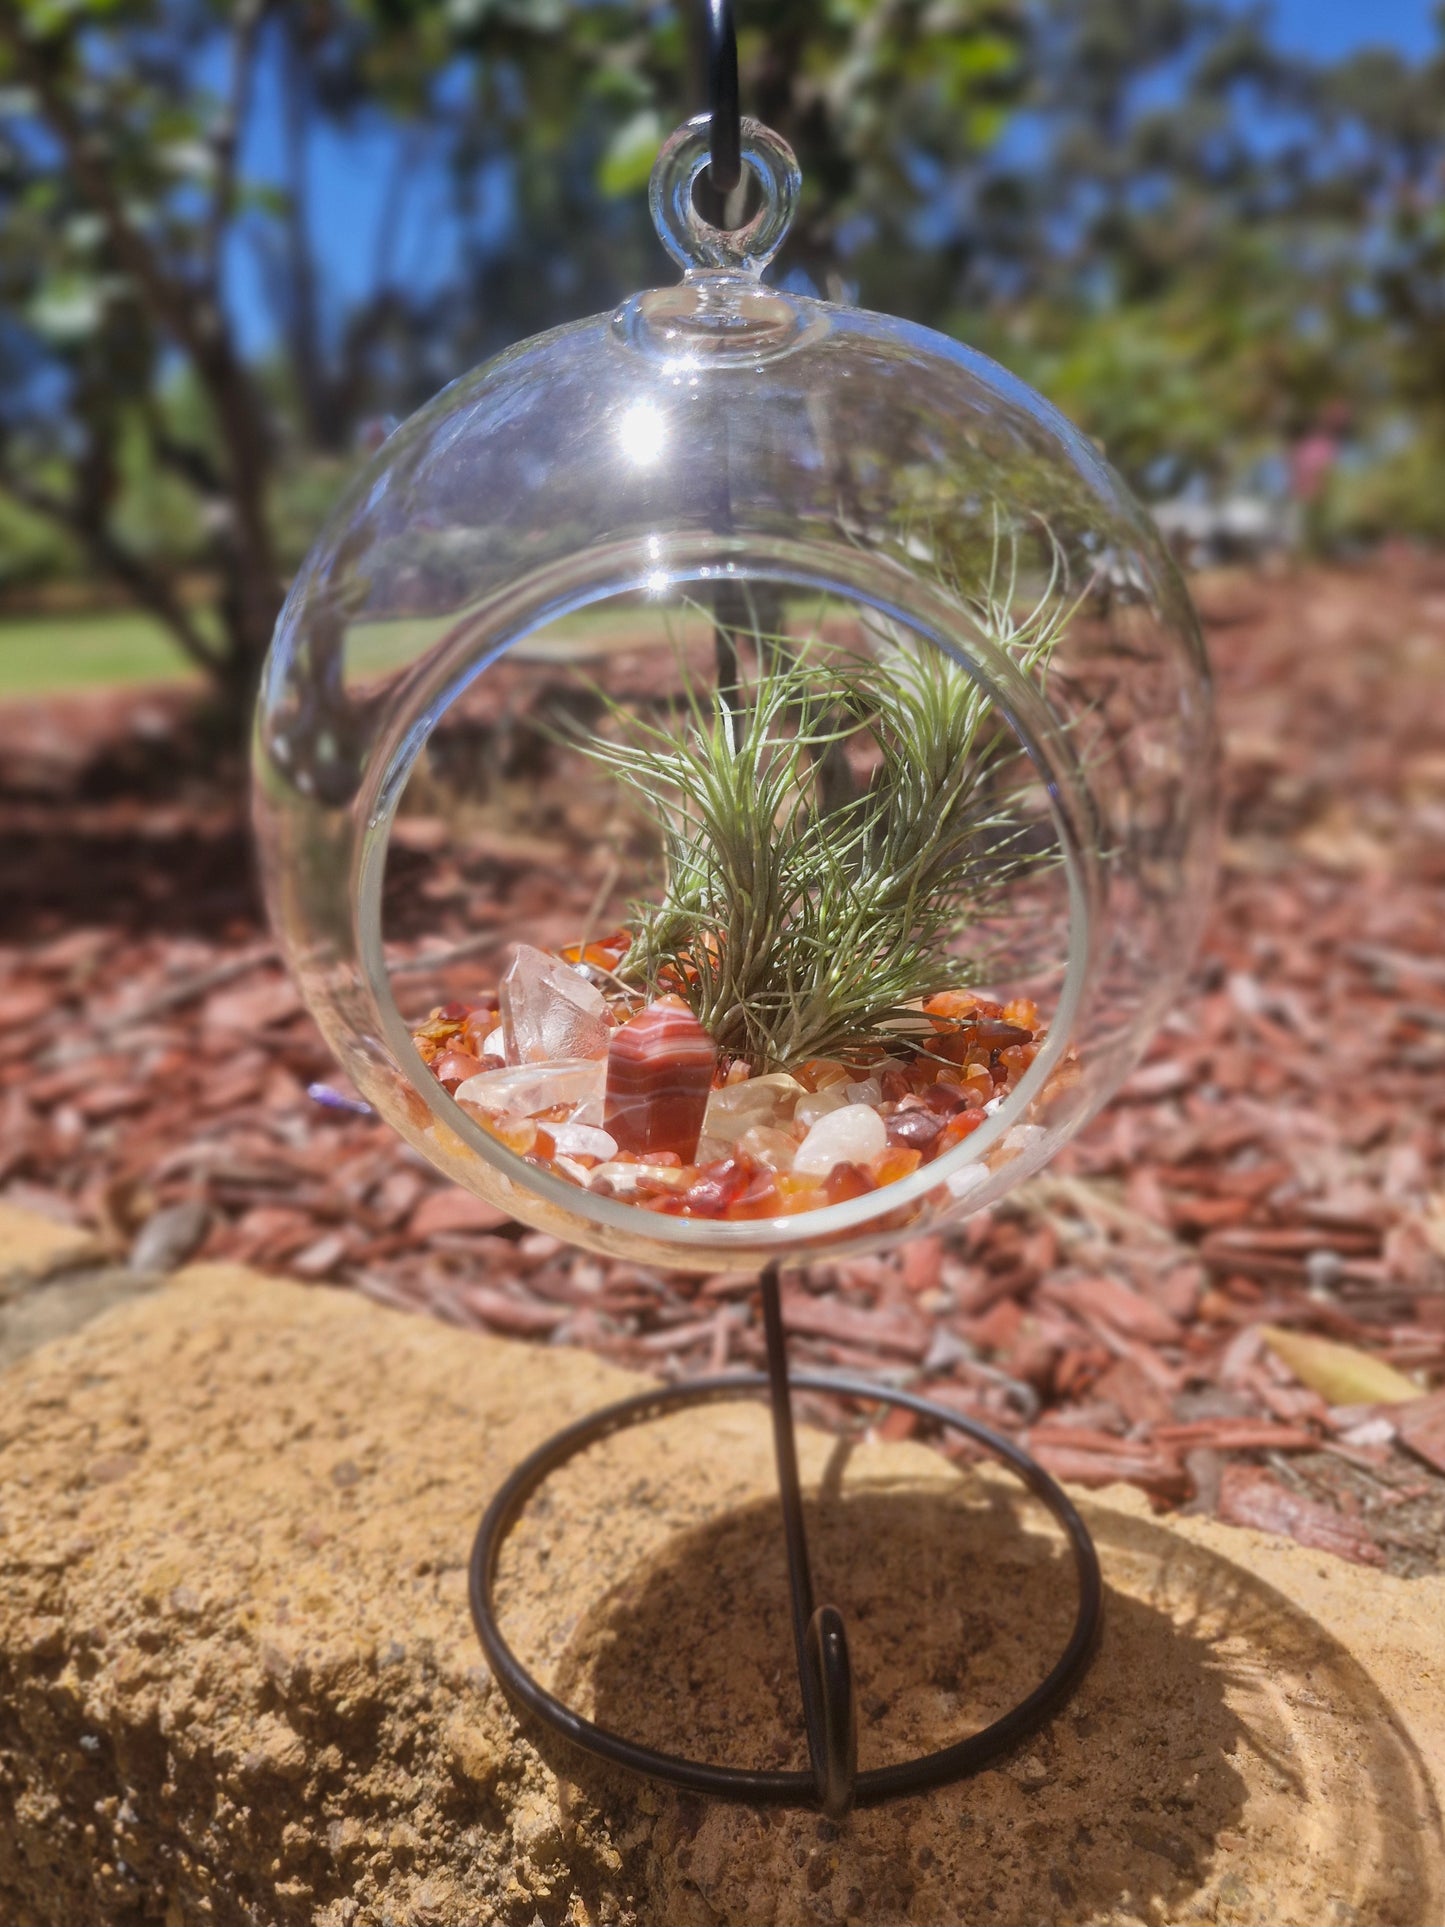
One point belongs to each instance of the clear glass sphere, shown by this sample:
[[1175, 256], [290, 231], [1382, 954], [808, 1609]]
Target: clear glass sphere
[[779, 660]]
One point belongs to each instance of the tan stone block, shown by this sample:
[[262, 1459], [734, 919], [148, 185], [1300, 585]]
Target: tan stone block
[[238, 1678]]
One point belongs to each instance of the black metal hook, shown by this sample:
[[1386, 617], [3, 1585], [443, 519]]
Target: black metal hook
[[724, 172], [725, 151]]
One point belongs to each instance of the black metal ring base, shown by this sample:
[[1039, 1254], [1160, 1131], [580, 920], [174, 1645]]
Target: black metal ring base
[[833, 1784]]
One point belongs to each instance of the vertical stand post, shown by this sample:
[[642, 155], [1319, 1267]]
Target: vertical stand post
[[821, 1641]]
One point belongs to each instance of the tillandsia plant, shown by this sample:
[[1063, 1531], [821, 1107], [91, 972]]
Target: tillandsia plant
[[797, 920]]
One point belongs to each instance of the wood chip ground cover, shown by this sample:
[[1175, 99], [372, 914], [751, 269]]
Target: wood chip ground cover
[[1276, 1164]]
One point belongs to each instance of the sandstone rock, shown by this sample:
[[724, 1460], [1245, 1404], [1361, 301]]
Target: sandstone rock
[[54, 1278], [238, 1681], [51, 1308], [36, 1247]]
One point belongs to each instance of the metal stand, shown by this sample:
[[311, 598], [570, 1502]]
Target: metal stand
[[833, 1782]]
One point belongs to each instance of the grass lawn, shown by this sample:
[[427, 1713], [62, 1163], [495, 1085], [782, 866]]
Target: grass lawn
[[43, 653], [108, 648]]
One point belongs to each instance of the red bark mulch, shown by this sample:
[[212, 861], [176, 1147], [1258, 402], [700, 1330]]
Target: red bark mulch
[[1279, 1160]]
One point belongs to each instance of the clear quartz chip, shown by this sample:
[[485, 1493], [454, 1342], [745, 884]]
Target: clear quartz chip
[[759, 1103], [529, 1090], [853, 1135]]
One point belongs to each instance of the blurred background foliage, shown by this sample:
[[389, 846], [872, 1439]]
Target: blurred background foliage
[[1227, 262]]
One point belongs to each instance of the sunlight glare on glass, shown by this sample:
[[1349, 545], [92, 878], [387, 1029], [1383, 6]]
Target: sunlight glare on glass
[[642, 432]]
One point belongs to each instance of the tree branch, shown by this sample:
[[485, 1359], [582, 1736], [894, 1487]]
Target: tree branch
[[193, 464], [195, 323], [170, 299], [226, 134], [303, 311], [146, 584]]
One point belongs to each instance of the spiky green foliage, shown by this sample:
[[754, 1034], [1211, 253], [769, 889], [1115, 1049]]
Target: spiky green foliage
[[800, 929]]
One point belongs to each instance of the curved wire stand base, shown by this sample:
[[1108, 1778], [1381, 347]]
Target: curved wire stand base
[[833, 1782]]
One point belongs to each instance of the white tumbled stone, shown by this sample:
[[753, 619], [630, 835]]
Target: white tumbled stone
[[583, 1141], [855, 1134]]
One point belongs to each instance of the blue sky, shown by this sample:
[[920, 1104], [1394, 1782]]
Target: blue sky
[[1329, 28], [348, 178]]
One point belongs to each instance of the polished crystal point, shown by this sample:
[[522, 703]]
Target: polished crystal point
[[659, 1072], [550, 1011]]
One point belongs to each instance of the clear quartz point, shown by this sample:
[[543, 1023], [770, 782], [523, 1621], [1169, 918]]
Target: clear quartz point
[[550, 1011]]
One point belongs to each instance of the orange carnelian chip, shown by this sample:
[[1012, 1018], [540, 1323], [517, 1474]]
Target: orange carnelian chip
[[960, 1047], [668, 1203], [477, 1029], [455, 1066], [794, 1194], [603, 952], [717, 1185], [957, 1129], [847, 1181], [951, 1006], [663, 1180], [819, 1072], [760, 1200], [895, 1163]]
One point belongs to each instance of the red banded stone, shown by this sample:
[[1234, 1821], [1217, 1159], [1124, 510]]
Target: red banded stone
[[660, 1067]]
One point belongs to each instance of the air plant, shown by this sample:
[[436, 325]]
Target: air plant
[[798, 921]]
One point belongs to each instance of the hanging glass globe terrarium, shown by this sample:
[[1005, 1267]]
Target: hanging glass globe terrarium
[[859, 717], [807, 742]]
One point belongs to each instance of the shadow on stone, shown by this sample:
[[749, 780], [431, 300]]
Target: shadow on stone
[[1224, 1758]]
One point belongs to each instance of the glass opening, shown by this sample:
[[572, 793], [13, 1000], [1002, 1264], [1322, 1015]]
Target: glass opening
[[731, 905]]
